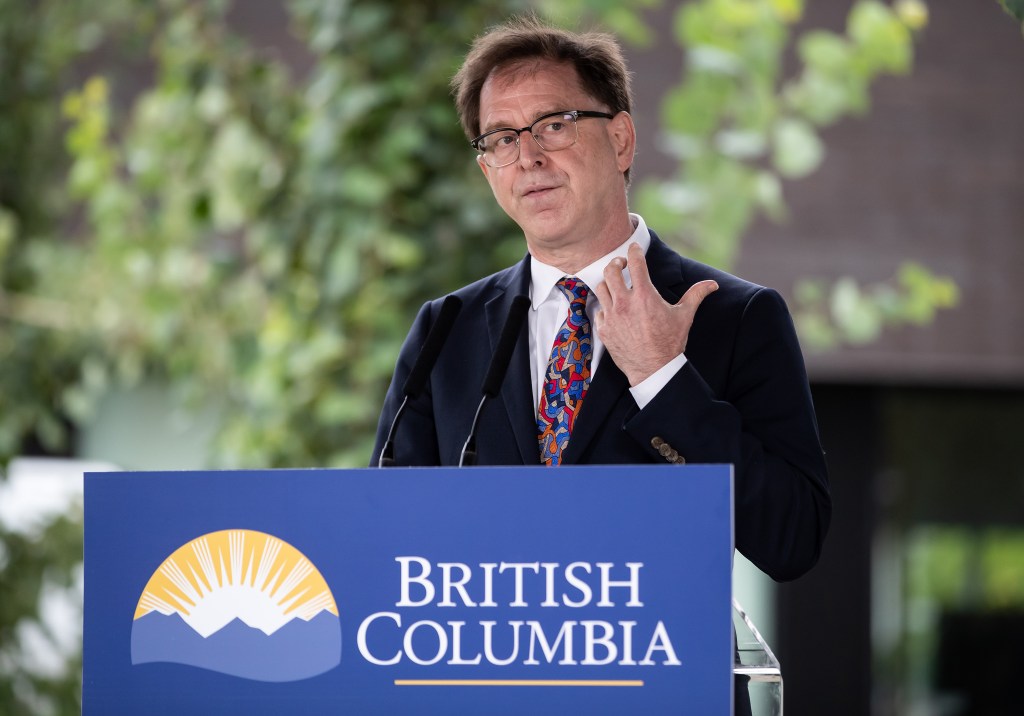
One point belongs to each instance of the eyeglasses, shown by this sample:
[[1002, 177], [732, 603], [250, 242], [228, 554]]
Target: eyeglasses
[[552, 132]]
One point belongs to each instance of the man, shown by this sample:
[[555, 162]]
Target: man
[[631, 353]]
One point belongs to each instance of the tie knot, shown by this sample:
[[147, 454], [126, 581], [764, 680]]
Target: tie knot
[[573, 289]]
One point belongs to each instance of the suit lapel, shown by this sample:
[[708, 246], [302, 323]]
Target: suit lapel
[[516, 390], [666, 270], [609, 384]]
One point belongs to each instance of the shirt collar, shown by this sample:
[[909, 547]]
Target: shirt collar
[[543, 277]]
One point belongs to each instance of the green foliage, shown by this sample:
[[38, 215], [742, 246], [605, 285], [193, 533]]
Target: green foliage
[[1014, 7], [268, 236], [39, 42], [740, 128], [845, 312], [621, 16], [952, 569], [32, 566]]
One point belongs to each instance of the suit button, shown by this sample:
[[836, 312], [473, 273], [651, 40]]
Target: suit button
[[667, 451]]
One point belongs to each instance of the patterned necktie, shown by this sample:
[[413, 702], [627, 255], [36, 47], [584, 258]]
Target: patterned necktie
[[567, 377]]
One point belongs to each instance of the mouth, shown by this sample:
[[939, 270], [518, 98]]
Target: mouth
[[537, 192]]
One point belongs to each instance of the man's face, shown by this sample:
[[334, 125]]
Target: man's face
[[570, 202]]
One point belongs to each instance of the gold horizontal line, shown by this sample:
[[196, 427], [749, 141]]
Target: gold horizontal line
[[516, 682]]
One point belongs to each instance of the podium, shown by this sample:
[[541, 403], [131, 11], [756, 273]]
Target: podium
[[598, 589]]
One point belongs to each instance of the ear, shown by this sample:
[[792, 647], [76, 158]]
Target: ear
[[483, 167], [623, 137]]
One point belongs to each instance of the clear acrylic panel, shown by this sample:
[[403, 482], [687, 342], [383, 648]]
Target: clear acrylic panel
[[758, 663]]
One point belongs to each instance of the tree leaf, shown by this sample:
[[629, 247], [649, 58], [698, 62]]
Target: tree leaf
[[798, 150]]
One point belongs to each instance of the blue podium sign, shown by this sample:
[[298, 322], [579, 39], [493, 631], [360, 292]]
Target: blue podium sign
[[598, 590]]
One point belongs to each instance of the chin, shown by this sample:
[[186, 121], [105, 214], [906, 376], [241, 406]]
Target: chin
[[547, 237], [547, 230]]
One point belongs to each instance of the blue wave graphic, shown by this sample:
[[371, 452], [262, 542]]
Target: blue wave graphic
[[298, 650]]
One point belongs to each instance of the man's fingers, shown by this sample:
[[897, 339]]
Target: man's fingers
[[637, 264], [602, 294], [614, 284], [697, 293]]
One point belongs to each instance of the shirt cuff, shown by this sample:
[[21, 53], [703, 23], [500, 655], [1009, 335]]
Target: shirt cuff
[[644, 391]]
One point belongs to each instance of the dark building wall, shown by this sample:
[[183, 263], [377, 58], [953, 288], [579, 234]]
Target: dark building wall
[[823, 629]]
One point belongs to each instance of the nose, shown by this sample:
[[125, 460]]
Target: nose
[[530, 153]]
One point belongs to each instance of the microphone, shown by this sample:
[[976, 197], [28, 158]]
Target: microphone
[[496, 372], [425, 361]]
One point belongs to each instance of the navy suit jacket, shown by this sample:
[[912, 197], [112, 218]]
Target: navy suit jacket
[[741, 398]]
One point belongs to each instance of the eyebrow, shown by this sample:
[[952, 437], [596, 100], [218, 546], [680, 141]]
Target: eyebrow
[[498, 125]]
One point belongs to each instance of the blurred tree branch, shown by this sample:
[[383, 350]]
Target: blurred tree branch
[[1016, 9]]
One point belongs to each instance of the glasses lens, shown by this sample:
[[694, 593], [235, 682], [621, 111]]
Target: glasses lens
[[554, 133], [499, 148]]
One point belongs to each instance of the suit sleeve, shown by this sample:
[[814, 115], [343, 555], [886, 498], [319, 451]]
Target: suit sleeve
[[762, 421], [416, 436]]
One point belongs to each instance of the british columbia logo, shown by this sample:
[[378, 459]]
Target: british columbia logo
[[239, 602]]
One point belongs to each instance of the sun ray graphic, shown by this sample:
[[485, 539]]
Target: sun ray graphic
[[243, 574]]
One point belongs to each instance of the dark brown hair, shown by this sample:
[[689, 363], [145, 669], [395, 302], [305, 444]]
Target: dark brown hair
[[596, 56]]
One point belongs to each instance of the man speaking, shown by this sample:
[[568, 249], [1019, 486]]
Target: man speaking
[[630, 353]]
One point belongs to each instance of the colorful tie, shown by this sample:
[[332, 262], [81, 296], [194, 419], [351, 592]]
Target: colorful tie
[[567, 377]]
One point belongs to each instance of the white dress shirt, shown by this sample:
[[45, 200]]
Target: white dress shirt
[[550, 307]]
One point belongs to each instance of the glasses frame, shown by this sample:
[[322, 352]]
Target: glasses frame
[[576, 114]]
